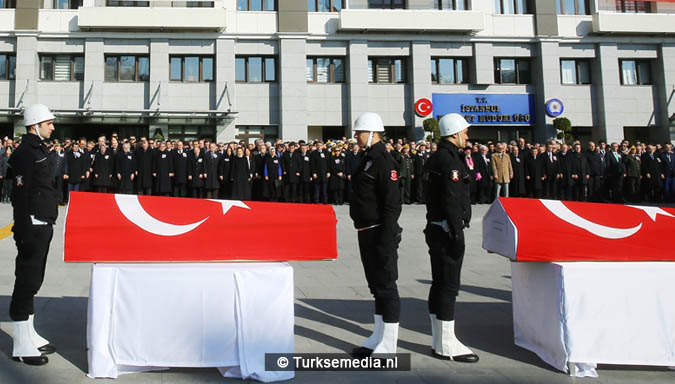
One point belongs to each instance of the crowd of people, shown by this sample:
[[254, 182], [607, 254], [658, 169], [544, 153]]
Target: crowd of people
[[318, 172]]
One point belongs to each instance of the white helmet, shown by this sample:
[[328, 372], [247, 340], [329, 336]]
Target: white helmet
[[452, 123], [369, 122], [35, 114]]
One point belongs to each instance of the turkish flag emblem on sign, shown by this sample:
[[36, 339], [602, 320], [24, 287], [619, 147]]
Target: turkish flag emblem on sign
[[127, 228], [551, 231]]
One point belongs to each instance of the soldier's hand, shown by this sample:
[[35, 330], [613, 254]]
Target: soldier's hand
[[65, 177], [221, 178], [189, 177]]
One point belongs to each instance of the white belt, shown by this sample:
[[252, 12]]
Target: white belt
[[36, 221], [443, 224], [367, 228]]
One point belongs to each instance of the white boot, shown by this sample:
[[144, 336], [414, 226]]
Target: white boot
[[446, 342], [38, 340], [433, 331], [389, 339], [23, 342], [375, 338]]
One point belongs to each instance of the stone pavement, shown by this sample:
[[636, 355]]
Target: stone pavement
[[333, 314]]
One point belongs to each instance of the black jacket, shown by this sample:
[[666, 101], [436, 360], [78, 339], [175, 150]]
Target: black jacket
[[179, 166], [104, 166], [125, 166], [596, 163], [306, 167], [76, 167], [376, 198], [162, 166], [33, 193], [144, 167], [195, 168], [534, 169], [320, 164], [446, 186], [58, 160], [292, 163]]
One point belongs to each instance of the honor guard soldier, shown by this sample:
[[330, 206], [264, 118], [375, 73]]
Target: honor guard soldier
[[448, 213], [35, 212], [375, 208]]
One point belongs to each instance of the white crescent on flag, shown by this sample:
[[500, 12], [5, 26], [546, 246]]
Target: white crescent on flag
[[132, 209], [559, 209]]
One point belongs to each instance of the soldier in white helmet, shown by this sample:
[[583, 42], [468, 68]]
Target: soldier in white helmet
[[375, 208], [35, 212], [446, 188]]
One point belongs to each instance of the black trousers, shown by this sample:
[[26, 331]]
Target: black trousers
[[290, 192], [595, 189], [179, 190], [320, 191], [447, 255], [306, 190], [33, 246], [379, 257]]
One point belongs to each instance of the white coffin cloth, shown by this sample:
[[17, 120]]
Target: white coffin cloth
[[153, 316], [589, 313]]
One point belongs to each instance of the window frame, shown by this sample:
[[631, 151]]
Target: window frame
[[71, 75], [119, 3], [332, 6], [201, 134], [8, 73], [263, 68], [518, 62], [515, 4], [577, 64], [560, 7], [196, 4], [465, 69], [9, 4], [638, 64], [72, 4], [262, 6], [392, 4], [438, 4], [392, 69], [620, 6], [331, 69], [246, 135], [119, 63], [201, 68]]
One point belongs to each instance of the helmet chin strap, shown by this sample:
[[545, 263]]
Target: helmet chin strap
[[37, 131], [370, 140]]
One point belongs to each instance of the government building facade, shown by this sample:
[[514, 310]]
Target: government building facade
[[305, 69]]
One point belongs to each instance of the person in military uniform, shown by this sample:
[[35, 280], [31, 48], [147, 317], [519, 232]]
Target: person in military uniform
[[421, 157], [35, 212], [407, 174], [448, 213], [375, 208]]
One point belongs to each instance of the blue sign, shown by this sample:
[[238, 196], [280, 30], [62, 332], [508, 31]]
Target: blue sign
[[554, 108], [486, 109]]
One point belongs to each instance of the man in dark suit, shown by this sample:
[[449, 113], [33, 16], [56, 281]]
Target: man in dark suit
[[305, 174], [484, 168], [125, 166], [179, 157], [565, 179], [596, 172], [320, 173], [668, 162], [615, 172], [291, 164], [534, 173], [652, 173], [551, 171]]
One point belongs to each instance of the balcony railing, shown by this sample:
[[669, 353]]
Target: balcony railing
[[411, 20], [634, 23]]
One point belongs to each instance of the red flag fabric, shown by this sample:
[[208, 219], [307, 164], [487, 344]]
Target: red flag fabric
[[551, 230], [112, 228]]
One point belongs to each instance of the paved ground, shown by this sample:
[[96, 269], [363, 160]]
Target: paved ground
[[333, 313]]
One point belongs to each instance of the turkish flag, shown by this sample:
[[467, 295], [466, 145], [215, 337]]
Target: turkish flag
[[127, 228], [551, 231]]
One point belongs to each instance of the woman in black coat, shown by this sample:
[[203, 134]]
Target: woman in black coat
[[211, 172], [104, 163], [195, 172], [273, 175], [162, 171], [240, 177], [336, 184], [225, 168]]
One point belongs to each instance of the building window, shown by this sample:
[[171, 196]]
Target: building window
[[453, 5], [127, 68], [325, 70], [386, 70], [7, 3], [386, 4], [7, 67], [572, 7], [634, 6], [449, 70], [575, 71], [512, 71], [67, 4], [61, 68], [635, 72], [127, 3], [249, 133], [255, 69], [187, 133], [198, 4], [324, 5], [256, 5], [511, 7], [191, 68]]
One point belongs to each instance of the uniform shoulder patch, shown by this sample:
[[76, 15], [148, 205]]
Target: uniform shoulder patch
[[454, 175], [394, 175]]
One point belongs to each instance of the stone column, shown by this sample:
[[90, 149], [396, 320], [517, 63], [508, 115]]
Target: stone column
[[225, 78], [608, 87], [421, 82], [546, 76], [293, 88], [358, 79]]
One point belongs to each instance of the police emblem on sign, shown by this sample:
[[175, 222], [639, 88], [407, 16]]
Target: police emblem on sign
[[394, 176], [19, 181], [454, 175]]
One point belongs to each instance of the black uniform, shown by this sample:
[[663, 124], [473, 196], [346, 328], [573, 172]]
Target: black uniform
[[58, 160], [448, 213], [375, 207], [35, 212], [352, 161], [125, 166], [421, 159]]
